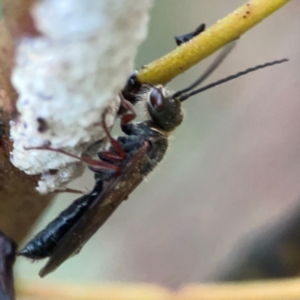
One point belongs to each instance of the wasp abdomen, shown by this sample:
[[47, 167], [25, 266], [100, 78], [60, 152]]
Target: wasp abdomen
[[43, 244]]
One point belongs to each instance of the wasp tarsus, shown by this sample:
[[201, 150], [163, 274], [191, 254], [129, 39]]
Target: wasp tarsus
[[181, 39], [131, 91]]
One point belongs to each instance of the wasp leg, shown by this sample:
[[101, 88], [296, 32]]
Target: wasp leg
[[130, 112], [110, 156], [96, 164], [68, 190], [132, 89], [181, 39], [120, 152]]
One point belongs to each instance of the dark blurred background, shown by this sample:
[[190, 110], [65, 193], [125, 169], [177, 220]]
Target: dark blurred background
[[230, 181]]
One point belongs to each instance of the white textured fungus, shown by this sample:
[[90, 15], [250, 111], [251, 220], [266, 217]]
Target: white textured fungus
[[68, 76]]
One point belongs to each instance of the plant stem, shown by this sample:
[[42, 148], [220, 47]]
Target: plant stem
[[217, 36]]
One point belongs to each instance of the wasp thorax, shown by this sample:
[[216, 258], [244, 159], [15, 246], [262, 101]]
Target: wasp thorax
[[164, 110]]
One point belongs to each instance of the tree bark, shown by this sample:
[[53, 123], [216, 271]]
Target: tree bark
[[20, 204]]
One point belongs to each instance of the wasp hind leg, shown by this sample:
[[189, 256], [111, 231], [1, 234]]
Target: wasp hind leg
[[96, 164]]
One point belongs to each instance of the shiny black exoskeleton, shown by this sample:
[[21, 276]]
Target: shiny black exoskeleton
[[43, 244]]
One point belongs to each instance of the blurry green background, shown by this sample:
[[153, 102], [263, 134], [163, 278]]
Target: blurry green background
[[232, 168]]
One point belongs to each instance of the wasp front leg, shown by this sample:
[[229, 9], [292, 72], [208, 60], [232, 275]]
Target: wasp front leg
[[129, 114]]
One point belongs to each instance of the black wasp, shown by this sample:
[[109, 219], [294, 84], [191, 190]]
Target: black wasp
[[124, 166]]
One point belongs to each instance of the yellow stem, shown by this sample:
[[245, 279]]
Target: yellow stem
[[217, 36], [43, 291], [287, 289]]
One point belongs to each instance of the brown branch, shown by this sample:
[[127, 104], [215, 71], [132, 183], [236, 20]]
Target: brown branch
[[7, 252], [20, 204]]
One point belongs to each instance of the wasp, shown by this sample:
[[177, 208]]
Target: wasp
[[123, 167]]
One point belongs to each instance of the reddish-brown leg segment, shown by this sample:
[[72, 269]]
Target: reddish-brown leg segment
[[118, 156], [68, 190], [114, 142], [125, 119], [130, 115], [110, 156], [96, 164]]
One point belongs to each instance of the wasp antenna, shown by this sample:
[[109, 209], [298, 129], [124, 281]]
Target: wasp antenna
[[211, 85], [225, 51]]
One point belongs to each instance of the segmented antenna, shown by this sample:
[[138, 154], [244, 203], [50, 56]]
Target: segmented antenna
[[225, 51], [183, 97]]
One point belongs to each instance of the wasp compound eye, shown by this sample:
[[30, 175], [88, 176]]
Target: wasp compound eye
[[157, 100]]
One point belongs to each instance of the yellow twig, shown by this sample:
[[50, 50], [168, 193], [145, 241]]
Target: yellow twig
[[287, 289], [223, 32], [41, 291]]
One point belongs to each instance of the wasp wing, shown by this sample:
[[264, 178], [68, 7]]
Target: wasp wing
[[117, 190]]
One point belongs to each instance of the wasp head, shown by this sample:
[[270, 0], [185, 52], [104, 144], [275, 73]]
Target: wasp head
[[165, 110]]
